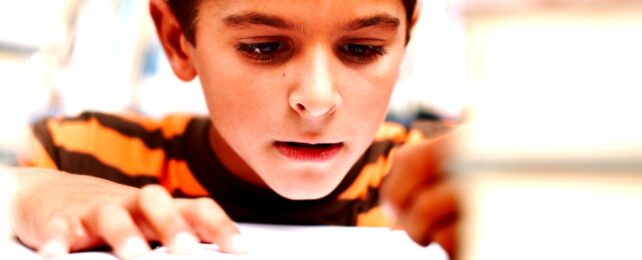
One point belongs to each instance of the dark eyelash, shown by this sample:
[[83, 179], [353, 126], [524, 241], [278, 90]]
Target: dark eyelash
[[370, 53], [249, 50]]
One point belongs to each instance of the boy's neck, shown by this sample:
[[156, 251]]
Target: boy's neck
[[231, 160]]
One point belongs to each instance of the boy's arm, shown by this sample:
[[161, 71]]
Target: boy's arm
[[419, 197], [55, 213]]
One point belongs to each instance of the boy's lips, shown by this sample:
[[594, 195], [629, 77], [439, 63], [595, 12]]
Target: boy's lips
[[308, 152]]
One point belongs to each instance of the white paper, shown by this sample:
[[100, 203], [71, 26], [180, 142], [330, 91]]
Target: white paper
[[289, 242]]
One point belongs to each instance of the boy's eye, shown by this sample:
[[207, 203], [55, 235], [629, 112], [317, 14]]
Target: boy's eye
[[265, 52], [264, 48], [360, 53]]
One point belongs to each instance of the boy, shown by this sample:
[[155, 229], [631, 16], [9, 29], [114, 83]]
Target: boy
[[297, 92]]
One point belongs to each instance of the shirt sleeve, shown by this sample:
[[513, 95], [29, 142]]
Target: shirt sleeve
[[111, 147]]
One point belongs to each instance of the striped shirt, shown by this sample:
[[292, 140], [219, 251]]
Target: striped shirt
[[174, 152]]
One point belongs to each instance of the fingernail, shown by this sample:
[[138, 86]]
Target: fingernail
[[133, 247], [388, 211], [183, 243], [53, 248], [236, 244]]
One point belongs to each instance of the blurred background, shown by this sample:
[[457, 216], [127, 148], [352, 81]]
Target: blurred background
[[66, 56], [551, 152]]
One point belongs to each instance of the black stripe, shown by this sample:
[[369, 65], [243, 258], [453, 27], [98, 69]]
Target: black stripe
[[371, 200], [42, 133], [377, 149], [179, 193], [85, 164], [174, 148], [151, 139]]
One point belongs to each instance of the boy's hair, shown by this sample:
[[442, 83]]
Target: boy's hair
[[186, 11]]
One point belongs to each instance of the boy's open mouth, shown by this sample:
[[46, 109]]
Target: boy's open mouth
[[308, 152]]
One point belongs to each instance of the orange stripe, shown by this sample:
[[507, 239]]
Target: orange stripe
[[179, 176], [175, 125], [171, 126], [414, 136], [371, 176], [127, 154], [391, 131], [373, 218]]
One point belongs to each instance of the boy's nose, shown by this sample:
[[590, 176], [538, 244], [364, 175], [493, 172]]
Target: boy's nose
[[315, 95]]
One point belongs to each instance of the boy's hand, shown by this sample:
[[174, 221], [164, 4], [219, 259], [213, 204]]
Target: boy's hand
[[56, 213], [419, 197]]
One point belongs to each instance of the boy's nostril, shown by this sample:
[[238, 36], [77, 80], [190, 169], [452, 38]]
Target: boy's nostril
[[300, 107]]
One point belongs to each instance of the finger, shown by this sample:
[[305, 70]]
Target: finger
[[429, 211], [413, 166], [447, 238], [158, 209], [81, 237], [55, 242], [115, 225], [212, 224]]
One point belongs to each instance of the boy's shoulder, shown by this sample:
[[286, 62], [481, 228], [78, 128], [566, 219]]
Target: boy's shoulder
[[126, 143]]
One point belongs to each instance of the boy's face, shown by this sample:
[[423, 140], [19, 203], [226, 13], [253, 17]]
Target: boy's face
[[297, 89]]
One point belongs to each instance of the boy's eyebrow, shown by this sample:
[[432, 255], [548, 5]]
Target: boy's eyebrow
[[253, 18], [384, 20]]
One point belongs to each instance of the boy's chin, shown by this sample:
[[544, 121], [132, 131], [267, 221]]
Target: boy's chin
[[304, 181], [308, 189], [303, 194]]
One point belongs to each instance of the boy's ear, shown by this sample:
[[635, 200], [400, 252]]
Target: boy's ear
[[176, 46], [416, 13]]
